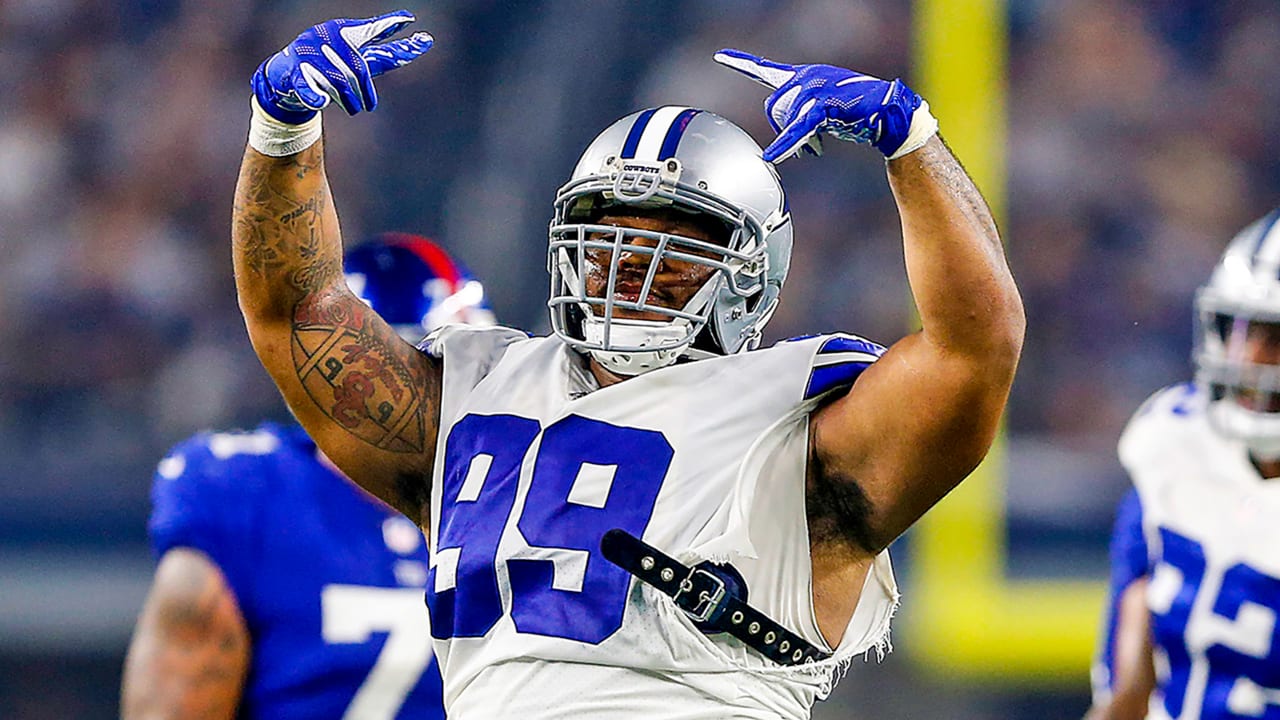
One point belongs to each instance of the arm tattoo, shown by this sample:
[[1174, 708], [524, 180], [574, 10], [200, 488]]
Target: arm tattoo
[[217, 661], [191, 653], [279, 231], [361, 374], [351, 364]]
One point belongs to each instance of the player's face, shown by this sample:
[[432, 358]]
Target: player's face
[[1256, 344], [674, 282]]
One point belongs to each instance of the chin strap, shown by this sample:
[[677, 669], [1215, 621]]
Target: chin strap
[[657, 344]]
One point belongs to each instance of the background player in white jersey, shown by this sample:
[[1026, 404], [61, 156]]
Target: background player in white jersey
[[1192, 626], [648, 430], [283, 590]]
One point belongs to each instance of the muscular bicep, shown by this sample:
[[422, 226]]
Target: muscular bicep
[[190, 650], [367, 397], [909, 430], [922, 417]]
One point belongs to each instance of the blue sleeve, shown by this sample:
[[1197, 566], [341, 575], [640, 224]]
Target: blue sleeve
[[1129, 561], [839, 361], [203, 502]]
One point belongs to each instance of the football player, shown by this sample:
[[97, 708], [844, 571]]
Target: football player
[[1192, 628], [641, 514], [283, 590]]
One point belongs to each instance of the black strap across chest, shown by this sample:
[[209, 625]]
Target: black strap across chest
[[701, 593]]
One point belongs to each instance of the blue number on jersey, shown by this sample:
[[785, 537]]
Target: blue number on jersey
[[1169, 628], [473, 523], [1230, 662], [588, 476]]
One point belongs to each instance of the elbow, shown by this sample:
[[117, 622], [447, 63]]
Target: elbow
[[989, 335], [1013, 326], [259, 309], [1006, 322]]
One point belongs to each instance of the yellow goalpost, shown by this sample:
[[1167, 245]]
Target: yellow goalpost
[[964, 617]]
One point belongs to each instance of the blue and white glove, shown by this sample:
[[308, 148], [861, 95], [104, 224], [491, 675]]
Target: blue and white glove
[[811, 100], [335, 61]]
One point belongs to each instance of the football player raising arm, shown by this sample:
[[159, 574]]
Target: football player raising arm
[[644, 509]]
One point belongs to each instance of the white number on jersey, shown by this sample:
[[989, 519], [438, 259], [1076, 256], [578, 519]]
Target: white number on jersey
[[351, 613]]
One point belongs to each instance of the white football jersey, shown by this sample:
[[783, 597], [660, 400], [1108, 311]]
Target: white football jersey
[[703, 460], [1211, 527]]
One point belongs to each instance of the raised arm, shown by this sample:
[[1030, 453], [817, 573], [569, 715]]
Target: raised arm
[[367, 397], [923, 416]]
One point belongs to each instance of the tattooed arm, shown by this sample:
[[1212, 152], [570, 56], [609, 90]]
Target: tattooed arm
[[367, 397], [190, 651]]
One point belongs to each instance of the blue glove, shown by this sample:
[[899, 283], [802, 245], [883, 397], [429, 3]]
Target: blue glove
[[810, 100], [335, 62]]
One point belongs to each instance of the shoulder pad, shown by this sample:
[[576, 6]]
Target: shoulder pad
[[1166, 410]]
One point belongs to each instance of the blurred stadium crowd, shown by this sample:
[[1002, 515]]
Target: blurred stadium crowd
[[1141, 136]]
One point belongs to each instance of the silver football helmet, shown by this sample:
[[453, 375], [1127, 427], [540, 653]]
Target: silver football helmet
[[690, 161], [1237, 339]]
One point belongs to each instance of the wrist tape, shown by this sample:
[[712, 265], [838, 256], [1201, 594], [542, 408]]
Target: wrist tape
[[273, 138], [923, 126]]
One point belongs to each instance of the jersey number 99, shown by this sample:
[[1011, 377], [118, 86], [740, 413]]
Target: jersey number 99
[[586, 477]]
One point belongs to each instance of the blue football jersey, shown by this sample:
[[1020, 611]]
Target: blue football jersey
[[329, 580]]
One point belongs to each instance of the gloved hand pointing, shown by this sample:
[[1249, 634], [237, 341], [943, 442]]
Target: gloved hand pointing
[[335, 61], [811, 99]]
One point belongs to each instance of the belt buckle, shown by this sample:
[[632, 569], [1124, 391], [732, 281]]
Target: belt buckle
[[708, 600]]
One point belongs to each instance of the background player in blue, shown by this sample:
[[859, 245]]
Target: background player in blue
[[650, 409], [283, 590], [1191, 629]]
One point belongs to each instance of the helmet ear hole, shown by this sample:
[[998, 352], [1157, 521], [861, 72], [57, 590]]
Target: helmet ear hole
[[1222, 325]]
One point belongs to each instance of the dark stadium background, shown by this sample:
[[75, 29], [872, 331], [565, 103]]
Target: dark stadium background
[[1140, 136]]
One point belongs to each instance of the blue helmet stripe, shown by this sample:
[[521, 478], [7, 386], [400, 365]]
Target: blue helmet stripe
[[675, 132], [637, 131]]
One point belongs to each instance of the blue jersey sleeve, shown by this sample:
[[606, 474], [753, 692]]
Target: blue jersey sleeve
[[839, 362], [1129, 561], [202, 501]]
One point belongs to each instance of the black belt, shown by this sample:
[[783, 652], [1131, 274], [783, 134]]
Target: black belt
[[701, 593]]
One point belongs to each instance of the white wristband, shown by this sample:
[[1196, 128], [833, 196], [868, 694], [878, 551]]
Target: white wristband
[[273, 138], [923, 126]]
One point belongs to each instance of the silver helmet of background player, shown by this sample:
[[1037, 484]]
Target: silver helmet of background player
[[692, 161], [1237, 309]]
